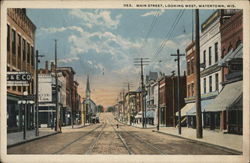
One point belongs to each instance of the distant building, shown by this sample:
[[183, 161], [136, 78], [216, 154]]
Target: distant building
[[89, 104], [20, 57], [168, 99], [47, 96]]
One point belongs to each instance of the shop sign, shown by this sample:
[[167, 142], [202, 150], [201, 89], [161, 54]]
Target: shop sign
[[18, 78]]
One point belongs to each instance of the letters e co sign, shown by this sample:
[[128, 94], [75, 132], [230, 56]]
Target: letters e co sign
[[19, 76]]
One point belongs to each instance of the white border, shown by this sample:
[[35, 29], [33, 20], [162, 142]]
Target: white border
[[120, 158]]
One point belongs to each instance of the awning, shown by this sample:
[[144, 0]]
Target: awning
[[228, 96], [204, 103], [232, 54], [186, 108]]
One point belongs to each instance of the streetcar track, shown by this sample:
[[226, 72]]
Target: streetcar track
[[72, 142], [123, 141], [93, 144], [145, 142]]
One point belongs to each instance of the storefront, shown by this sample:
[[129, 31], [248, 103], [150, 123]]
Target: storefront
[[15, 114], [229, 101]]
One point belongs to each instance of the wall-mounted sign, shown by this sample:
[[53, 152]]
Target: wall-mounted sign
[[18, 78], [45, 88]]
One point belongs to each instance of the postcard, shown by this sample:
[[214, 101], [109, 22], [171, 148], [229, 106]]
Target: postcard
[[124, 81]]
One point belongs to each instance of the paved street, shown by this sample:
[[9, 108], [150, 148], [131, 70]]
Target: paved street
[[106, 138]]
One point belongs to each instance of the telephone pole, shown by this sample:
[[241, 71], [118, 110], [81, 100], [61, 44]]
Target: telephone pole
[[56, 87], [37, 109], [199, 132], [142, 62], [178, 88]]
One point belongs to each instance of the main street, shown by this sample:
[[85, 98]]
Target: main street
[[106, 138]]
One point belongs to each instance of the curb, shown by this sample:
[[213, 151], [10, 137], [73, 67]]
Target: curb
[[235, 152], [30, 140], [135, 126]]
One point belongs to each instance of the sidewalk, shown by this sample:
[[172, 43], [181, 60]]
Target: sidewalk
[[17, 137], [230, 141], [75, 126], [137, 125]]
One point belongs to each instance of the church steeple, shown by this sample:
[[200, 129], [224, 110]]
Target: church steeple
[[88, 88]]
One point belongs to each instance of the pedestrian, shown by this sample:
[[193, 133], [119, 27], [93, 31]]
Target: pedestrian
[[117, 126]]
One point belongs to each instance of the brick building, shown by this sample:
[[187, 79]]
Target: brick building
[[229, 108], [20, 58], [231, 37], [190, 97], [168, 98]]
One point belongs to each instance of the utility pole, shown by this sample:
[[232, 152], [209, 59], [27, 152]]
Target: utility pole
[[37, 103], [142, 62], [199, 132], [158, 113], [178, 88], [56, 77], [173, 76]]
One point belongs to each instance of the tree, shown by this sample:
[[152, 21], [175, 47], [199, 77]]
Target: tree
[[111, 109], [100, 108]]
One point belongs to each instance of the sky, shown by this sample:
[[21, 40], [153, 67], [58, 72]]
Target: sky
[[103, 43]]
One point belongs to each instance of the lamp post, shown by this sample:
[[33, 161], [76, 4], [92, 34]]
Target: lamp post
[[25, 100]]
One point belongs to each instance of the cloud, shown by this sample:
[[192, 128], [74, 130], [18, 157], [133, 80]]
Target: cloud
[[53, 30], [68, 60], [100, 18], [154, 13]]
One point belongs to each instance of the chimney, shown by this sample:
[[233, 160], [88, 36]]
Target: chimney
[[46, 65]]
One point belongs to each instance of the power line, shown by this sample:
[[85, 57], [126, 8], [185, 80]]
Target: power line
[[169, 34]]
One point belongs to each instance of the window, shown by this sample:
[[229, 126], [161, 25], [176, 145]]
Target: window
[[8, 37], [19, 46], [210, 84], [19, 88], [24, 50], [216, 52], [13, 42], [204, 57], [192, 66], [209, 56], [192, 87], [32, 56], [217, 82], [188, 91], [204, 85], [188, 66], [28, 53]]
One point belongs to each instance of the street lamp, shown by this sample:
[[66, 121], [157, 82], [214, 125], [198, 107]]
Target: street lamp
[[25, 101]]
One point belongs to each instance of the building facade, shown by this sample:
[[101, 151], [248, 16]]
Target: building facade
[[20, 58], [168, 99]]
